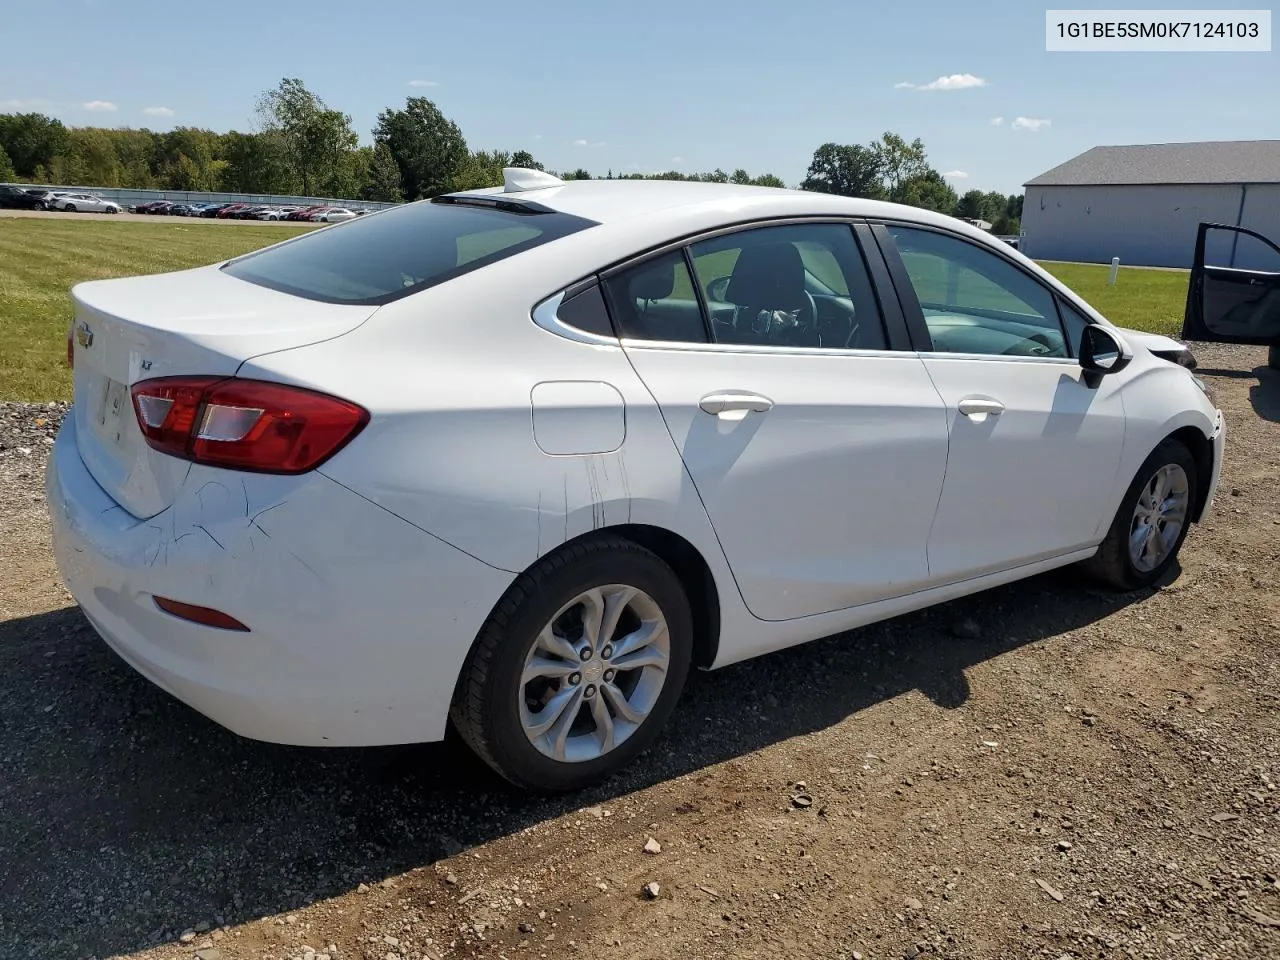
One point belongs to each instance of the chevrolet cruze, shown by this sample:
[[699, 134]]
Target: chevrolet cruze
[[516, 459]]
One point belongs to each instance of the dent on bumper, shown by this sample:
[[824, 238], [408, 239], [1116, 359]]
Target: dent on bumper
[[359, 622]]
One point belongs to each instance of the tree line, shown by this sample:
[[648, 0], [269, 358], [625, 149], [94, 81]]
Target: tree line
[[303, 146]]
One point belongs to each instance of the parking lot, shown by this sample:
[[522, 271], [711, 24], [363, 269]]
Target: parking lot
[[124, 216], [1044, 770]]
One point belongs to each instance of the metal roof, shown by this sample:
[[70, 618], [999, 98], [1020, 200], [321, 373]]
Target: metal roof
[[1219, 161]]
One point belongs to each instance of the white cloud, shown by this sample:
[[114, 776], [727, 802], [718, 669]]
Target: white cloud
[[35, 103], [997, 121], [537, 136], [1029, 123], [956, 81], [100, 106], [956, 175], [423, 83], [677, 159], [588, 143], [158, 112]]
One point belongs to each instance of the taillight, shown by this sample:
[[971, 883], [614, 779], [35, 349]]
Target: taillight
[[71, 346], [244, 424]]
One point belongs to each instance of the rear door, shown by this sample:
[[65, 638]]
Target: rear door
[[1234, 292], [814, 436]]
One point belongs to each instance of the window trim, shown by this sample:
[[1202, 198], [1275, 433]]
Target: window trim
[[546, 314], [896, 336], [911, 302]]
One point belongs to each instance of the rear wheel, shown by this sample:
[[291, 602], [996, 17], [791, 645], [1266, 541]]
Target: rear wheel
[[1152, 521], [578, 667], [70, 208]]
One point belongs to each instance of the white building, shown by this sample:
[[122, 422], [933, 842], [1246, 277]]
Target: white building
[[1143, 203]]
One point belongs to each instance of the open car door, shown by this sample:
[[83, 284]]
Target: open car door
[[1234, 292]]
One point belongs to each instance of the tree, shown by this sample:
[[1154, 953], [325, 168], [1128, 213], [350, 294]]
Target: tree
[[316, 138], [768, 180], [428, 147], [481, 169], [90, 159], [1006, 226], [929, 190], [524, 159], [31, 140], [899, 162], [970, 206], [846, 170], [186, 159], [257, 163], [579, 174], [383, 182], [7, 173], [1013, 206]]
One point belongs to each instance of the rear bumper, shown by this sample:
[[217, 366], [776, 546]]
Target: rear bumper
[[359, 622]]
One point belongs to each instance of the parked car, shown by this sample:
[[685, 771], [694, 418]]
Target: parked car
[[333, 215], [181, 210], [230, 211], [213, 209], [700, 422], [16, 198], [48, 198], [304, 213], [84, 203], [1233, 295]]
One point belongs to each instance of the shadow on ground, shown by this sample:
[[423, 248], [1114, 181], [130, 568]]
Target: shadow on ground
[[126, 817], [1264, 395]]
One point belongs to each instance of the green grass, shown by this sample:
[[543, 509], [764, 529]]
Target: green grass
[[1150, 300], [40, 260]]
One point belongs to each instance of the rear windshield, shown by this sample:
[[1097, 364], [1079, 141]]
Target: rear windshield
[[381, 257]]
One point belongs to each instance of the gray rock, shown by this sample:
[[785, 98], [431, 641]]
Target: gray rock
[[652, 889], [652, 846]]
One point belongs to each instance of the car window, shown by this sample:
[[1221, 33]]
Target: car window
[[406, 249], [1075, 322], [975, 301], [796, 285], [655, 300]]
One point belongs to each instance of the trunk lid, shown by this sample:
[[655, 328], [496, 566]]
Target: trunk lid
[[198, 321]]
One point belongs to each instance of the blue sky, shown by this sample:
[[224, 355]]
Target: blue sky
[[646, 86]]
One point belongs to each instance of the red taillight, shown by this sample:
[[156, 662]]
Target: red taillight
[[71, 347], [202, 615], [244, 424]]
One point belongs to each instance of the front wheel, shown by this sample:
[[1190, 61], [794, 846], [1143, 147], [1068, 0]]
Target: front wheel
[[1152, 521], [578, 667]]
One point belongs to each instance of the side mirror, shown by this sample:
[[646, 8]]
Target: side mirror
[[718, 290], [1101, 352]]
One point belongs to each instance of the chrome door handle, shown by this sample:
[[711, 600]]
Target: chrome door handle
[[734, 406], [978, 409]]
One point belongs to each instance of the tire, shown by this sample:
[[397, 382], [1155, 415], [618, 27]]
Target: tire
[[1273, 356], [1115, 563], [70, 208], [492, 704]]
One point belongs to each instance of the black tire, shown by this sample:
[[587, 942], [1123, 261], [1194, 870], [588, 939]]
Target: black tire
[[1112, 563], [70, 208], [1273, 356], [485, 709]]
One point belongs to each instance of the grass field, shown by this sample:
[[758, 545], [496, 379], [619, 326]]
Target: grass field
[[41, 259]]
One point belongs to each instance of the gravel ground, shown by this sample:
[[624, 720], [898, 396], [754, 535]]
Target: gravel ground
[[1045, 770]]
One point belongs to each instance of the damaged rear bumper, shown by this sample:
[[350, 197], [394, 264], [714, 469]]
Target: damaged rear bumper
[[358, 621]]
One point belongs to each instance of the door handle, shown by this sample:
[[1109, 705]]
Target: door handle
[[734, 406], [978, 409]]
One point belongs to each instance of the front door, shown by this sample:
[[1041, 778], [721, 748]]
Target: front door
[[1234, 292], [1034, 450], [817, 451]]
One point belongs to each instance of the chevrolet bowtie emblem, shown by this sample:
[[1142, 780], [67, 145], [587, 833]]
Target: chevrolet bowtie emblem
[[84, 336]]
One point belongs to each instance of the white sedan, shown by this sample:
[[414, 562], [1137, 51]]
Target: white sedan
[[84, 203], [517, 459], [335, 215]]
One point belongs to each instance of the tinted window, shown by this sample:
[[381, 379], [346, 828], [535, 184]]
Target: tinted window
[[375, 259], [798, 285], [1075, 322], [654, 300], [975, 301], [586, 311]]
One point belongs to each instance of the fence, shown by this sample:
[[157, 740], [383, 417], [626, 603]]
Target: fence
[[128, 197]]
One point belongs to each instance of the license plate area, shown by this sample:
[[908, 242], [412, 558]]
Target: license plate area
[[114, 404]]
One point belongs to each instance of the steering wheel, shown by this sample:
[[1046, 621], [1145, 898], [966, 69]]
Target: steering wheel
[[747, 320], [1036, 345]]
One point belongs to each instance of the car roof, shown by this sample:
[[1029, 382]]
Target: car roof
[[615, 201]]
